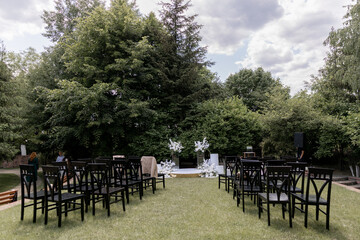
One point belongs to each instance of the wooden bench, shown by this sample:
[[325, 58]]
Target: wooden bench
[[8, 197]]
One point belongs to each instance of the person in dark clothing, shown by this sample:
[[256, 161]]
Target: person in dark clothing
[[33, 160]]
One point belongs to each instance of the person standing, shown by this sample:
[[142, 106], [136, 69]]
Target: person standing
[[33, 160], [60, 158]]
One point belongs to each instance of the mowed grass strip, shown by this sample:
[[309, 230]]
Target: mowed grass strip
[[189, 208], [8, 181]]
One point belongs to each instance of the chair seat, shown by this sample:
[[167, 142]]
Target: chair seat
[[148, 178], [66, 197], [312, 199], [273, 197], [252, 189], [39, 194], [111, 190]]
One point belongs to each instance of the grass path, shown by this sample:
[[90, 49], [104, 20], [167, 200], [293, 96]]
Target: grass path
[[189, 208]]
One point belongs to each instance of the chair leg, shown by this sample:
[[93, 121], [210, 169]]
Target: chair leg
[[306, 214], [259, 207], [34, 214], [163, 181], [327, 217], [289, 210], [46, 212], [127, 195], [66, 209], [22, 209], [268, 212], [243, 201], [82, 209], [219, 181], [153, 185], [283, 207], [123, 200], [59, 213], [317, 212], [293, 207], [42, 206], [93, 205], [108, 204]]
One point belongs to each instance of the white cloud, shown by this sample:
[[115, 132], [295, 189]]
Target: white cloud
[[291, 47], [226, 24], [283, 36], [21, 17]]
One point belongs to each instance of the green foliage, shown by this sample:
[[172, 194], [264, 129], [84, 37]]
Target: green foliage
[[284, 116], [9, 112], [227, 124], [338, 83], [251, 86], [353, 128], [182, 63], [332, 138], [67, 13]]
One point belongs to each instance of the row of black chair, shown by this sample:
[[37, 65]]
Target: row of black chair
[[279, 182], [100, 180]]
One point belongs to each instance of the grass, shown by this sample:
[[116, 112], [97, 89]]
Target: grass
[[8, 181], [189, 208]]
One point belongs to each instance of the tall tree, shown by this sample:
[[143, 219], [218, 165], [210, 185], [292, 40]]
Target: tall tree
[[338, 83], [9, 118], [182, 61], [67, 14], [252, 86]]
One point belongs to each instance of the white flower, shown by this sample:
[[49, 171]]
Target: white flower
[[207, 169], [166, 167], [201, 146], [175, 146]]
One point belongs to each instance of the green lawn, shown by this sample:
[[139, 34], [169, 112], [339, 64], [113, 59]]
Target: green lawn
[[189, 208], [8, 181]]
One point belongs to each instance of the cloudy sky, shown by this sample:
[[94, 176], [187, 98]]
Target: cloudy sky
[[284, 37]]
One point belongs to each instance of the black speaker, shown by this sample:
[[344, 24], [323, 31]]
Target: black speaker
[[299, 139]]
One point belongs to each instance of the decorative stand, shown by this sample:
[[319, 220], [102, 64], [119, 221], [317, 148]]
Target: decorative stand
[[200, 158], [175, 159]]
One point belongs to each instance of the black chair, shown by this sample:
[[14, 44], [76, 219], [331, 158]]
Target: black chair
[[276, 176], [64, 174], [250, 181], [81, 182], [135, 178], [102, 191], [229, 175], [148, 179], [275, 162], [53, 186], [29, 190], [87, 160], [272, 162], [107, 161], [121, 171], [297, 179], [161, 179], [319, 181]]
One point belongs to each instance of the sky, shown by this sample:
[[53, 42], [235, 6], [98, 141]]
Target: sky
[[284, 37]]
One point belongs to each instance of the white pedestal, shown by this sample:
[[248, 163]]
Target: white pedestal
[[219, 169], [214, 159]]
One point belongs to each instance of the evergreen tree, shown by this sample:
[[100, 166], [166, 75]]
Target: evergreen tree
[[67, 13], [183, 60]]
